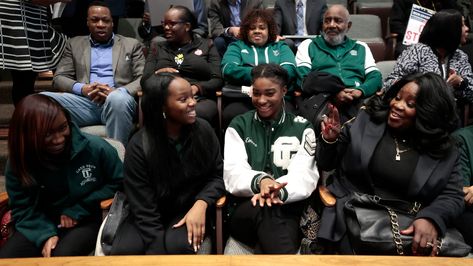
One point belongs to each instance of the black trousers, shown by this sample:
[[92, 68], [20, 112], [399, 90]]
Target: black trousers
[[23, 84], [271, 230], [128, 239], [76, 241], [464, 225]]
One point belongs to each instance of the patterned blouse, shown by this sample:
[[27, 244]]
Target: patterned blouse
[[421, 58]]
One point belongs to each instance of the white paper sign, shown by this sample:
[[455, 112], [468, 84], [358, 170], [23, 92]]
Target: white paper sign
[[417, 19]]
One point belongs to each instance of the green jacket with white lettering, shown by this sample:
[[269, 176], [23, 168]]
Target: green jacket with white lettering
[[93, 172], [283, 149], [351, 61], [240, 58]]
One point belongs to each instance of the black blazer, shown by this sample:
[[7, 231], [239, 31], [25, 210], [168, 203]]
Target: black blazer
[[285, 16], [435, 183]]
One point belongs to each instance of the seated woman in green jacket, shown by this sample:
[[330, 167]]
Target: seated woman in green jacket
[[258, 45], [56, 177]]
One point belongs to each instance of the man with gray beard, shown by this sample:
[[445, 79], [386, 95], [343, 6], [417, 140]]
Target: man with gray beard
[[334, 53]]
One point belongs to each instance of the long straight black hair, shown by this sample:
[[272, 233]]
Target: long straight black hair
[[166, 168]]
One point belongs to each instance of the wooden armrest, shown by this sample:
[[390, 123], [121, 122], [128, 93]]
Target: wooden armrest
[[219, 224], [221, 202], [391, 43], [105, 204], [3, 199], [391, 39], [392, 36], [326, 196]]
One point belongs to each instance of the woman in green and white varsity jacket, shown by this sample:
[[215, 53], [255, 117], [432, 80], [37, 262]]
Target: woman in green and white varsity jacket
[[269, 167]]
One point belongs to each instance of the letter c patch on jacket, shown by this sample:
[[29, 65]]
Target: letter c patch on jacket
[[87, 172]]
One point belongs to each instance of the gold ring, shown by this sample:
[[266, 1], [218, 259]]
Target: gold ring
[[429, 244]]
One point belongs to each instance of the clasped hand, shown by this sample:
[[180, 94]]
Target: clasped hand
[[97, 92], [454, 79], [269, 193], [347, 95]]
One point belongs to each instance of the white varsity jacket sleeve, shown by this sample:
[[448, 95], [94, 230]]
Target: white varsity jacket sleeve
[[302, 174], [237, 172]]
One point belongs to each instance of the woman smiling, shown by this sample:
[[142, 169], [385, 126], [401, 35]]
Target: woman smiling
[[56, 177], [173, 170], [269, 167], [398, 148], [258, 45]]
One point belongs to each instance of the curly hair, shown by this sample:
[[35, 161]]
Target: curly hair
[[264, 15], [436, 115]]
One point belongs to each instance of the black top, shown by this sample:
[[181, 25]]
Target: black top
[[197, 62], [435, 183], [390, 177], [150, 210]]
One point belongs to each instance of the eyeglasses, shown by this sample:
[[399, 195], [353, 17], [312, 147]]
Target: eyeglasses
[[171, 23]]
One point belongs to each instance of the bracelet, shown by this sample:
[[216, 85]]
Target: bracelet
[[225, 32], [326, 141], [263, 177]]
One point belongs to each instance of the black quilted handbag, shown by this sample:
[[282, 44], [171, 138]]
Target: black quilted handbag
[[374, 224]]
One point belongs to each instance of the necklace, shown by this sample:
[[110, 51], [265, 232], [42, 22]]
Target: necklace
[[399, 151]]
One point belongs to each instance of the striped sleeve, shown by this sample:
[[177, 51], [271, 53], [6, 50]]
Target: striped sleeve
[[27, 40]]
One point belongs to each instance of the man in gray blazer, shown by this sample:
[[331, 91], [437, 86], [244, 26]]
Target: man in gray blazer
[[286, 17], [99, 76]]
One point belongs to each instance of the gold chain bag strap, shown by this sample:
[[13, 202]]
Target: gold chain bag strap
[[374, 224], [395, 226]]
